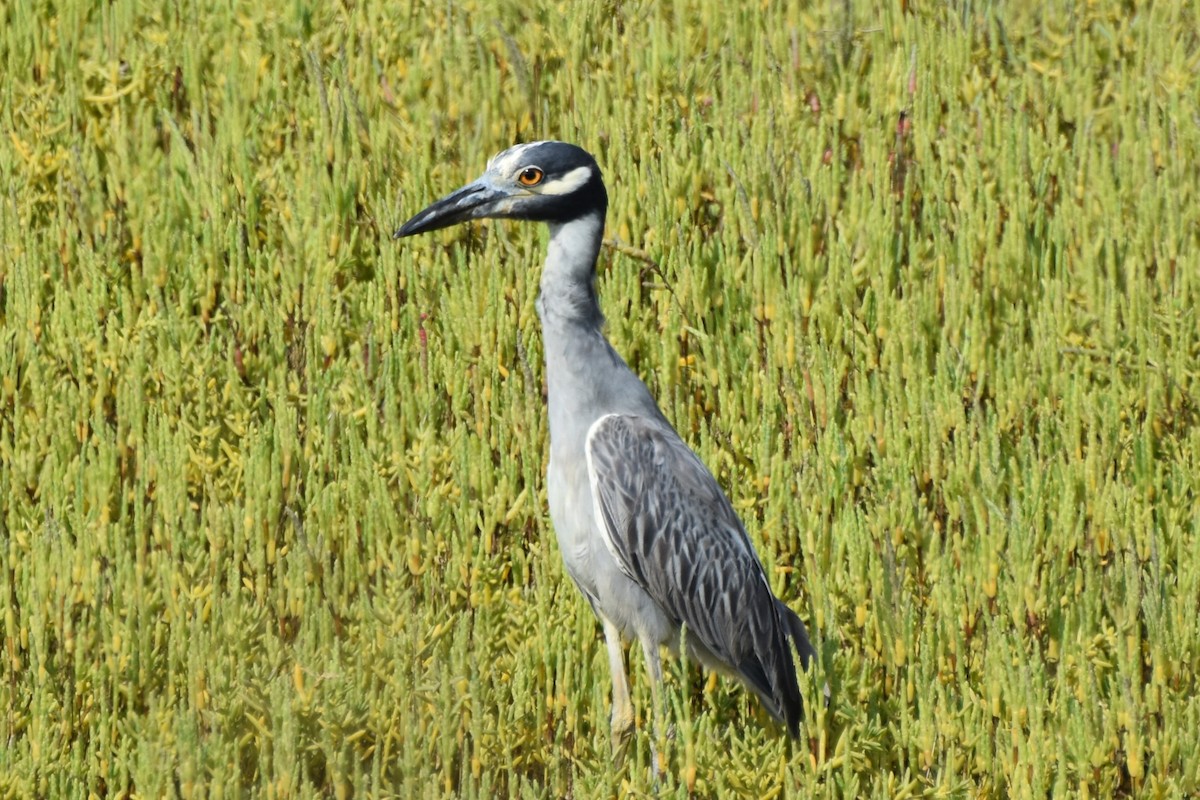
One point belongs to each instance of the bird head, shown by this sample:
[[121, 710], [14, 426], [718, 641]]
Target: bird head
[[551, 182]]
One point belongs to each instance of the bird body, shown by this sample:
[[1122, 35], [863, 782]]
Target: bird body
[[644, 529]]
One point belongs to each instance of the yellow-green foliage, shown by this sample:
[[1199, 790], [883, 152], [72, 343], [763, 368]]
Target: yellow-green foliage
[[919, 284]]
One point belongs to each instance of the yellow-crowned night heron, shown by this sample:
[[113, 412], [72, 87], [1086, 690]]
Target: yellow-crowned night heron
[[644, 529]]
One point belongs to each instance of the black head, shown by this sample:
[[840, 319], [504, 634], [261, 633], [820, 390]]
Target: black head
[[539, 181]]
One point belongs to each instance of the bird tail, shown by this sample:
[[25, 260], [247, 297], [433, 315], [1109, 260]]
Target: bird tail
[[770, 669], [795, 629], [792, 706], [799, 635]]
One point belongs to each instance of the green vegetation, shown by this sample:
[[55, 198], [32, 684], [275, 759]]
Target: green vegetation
[[920, 286]]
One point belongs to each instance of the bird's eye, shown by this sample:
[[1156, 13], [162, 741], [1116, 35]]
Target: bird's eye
[[530, 176]]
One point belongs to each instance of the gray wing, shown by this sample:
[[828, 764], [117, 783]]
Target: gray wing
[[672, 530]]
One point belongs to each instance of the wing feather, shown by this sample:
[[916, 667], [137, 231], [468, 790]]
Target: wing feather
[[671, 529]]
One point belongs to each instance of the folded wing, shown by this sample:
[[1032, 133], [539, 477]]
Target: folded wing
[[671, 529]]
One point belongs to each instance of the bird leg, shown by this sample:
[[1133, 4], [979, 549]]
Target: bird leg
[[657, 698], [622, 707]]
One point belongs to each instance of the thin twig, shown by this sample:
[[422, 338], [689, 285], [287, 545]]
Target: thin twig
[[641, 255]]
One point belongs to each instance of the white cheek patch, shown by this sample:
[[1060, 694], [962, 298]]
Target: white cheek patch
[[567, 183]]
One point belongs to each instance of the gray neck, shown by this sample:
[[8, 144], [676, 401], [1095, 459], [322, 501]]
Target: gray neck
[[568, 296], [585, 378]]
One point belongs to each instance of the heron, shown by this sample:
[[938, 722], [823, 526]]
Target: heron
[[644, 529]]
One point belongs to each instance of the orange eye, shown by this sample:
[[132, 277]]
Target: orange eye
[[530, 176]]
